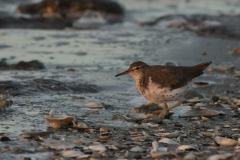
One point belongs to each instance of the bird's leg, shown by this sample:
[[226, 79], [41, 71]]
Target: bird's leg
[[163, 113], [149, 103], [166, 109], [175, 105]]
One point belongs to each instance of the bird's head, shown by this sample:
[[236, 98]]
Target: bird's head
[[135, 69]]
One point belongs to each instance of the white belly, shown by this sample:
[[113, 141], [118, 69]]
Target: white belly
[[156, 94]]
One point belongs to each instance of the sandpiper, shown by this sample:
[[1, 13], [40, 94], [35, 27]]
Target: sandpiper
[[161, 84]]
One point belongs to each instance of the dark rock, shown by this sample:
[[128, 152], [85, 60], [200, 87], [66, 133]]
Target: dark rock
[[36, 86], [2, 46], [214, 99], [192, 94], [32, 65], [5, 139], [59, 14], [70, 8]]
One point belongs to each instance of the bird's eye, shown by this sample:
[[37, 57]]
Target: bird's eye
[[137, 68]]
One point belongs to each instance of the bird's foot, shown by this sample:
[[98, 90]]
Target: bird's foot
[[145, 108], [175, 105], [165, 111]]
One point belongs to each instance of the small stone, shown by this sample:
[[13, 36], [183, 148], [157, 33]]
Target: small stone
[[190, 156], [98, 147], [214, 99], [136, 149], [190, 94], [71, 153], [4, 138]]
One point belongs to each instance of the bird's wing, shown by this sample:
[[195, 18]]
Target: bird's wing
[[174, 76]]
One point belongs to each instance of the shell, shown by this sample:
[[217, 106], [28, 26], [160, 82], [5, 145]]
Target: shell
[[59, 121], [200, 112], [94, 105], [207, 134], [186, 148], [71, 153], [168, 135], [168, 141], [136, 149], [225, 141], [105, 136], [159, 154], [80, 125], [98, 147]]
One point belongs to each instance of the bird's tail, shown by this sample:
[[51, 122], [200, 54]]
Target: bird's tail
[[203, 66]]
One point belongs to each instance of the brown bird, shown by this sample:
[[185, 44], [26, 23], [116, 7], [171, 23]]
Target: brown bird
[[160, 84]]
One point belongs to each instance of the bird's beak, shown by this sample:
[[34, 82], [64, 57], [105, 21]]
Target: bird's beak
[[125, 72]]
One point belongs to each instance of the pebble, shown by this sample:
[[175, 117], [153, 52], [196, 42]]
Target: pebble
[[136, 149], [98, 147]]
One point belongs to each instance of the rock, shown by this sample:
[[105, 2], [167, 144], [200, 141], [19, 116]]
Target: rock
[[190, 94], [31, 65], [70, 8], [63, 13], [4, 138], [214, 99], [98, 147], [136, 149], [200, 112], [71, 153]]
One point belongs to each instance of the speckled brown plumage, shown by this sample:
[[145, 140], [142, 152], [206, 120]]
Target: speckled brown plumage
[[171, 76]]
